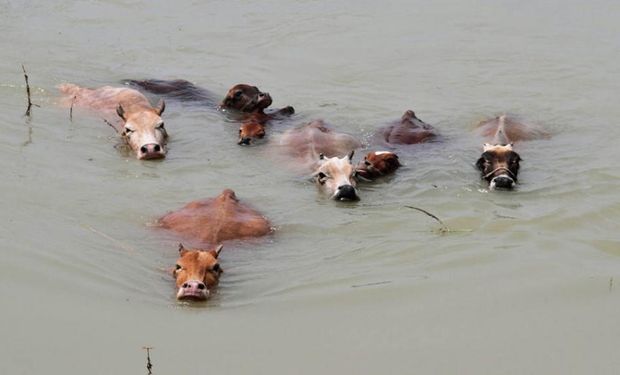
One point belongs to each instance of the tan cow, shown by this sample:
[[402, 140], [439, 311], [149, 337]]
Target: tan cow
[[336, 177], [141, 125], [316, 148]]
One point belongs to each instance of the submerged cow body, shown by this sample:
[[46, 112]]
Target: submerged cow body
[[214, 220], [499, 163], [140, 124], [406, 131], [243, 103], [327, 154]]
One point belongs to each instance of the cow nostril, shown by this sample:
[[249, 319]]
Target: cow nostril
[[201, 286], [346, 192], [144, 149], [503, 182], [157, 148], [185, 285]]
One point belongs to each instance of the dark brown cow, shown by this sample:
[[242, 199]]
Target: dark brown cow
[[408, 130], [499, 163], [377, 164]]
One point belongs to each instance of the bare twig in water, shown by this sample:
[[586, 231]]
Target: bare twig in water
[[611, 284], [149, 365], [71, 109], [110, 124], [30, 103], [371, 284], [444, 227]]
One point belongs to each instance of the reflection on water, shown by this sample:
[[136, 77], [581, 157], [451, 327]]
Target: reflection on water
[[339, 288]]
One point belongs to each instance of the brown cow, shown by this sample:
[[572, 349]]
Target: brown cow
[[141, 125], [214, 220], [250, 103], [408, 130], [197, 273], [377, 164], [499, 163]]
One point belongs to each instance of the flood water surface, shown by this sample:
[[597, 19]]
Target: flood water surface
[[523, 282]]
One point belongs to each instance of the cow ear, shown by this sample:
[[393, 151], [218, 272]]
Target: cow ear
[[182, 249], [121, 112], [351, 155], [321, 156], [161, 106]]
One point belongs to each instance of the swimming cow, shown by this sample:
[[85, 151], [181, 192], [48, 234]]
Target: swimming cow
[[197, 272], [377, 164], [406, 131], [499, 163], [251, 102], [208, 223], [140, 125], [327, 154]]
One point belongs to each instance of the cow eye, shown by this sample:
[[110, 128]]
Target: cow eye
[[321, 177], [160, 126], [367, 163], [216, 268], [238, 94], [129, 131], [177, 267]]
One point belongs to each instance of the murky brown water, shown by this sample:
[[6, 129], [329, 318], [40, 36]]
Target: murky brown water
[[527, 284]]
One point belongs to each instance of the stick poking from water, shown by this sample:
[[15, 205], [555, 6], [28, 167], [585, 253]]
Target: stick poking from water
[[444, 227], [110, 124], [149, 365], [30, 104], [71, 109]]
